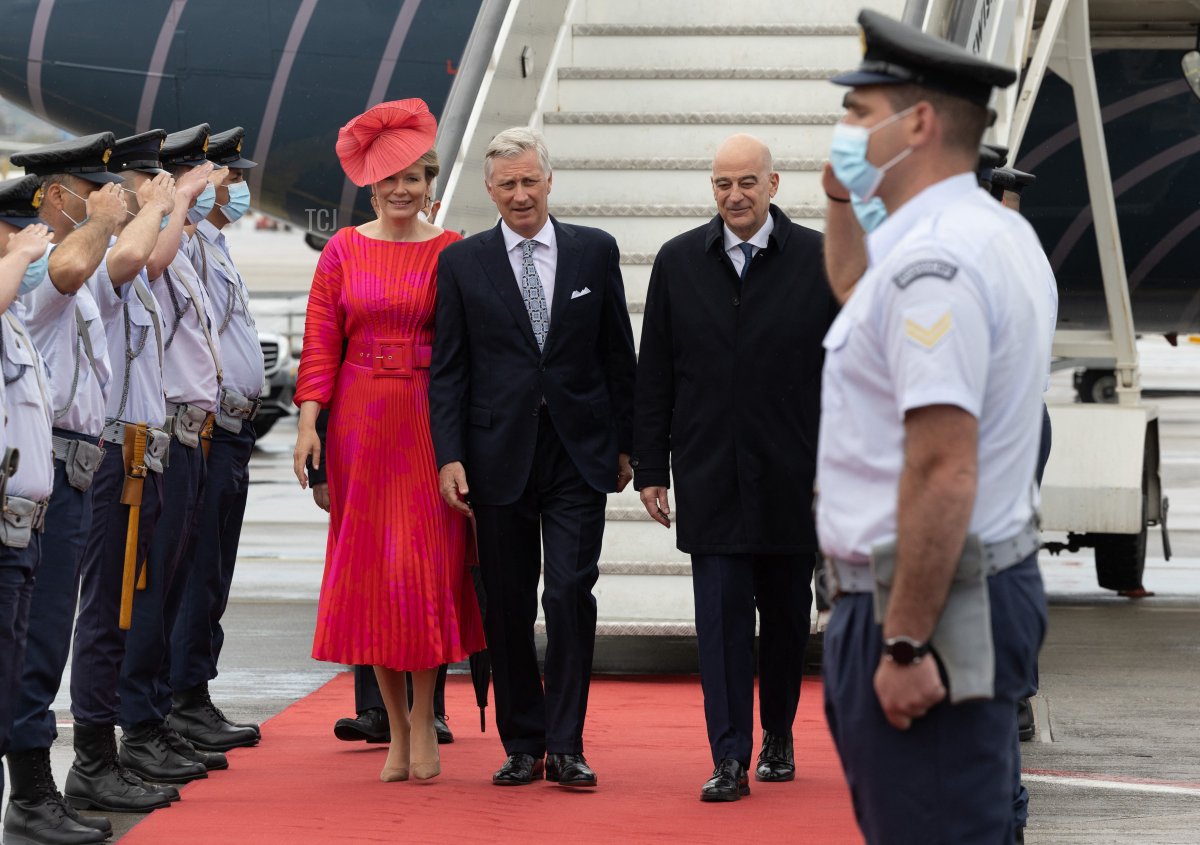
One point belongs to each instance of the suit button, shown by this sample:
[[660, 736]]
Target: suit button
[[736, 302]]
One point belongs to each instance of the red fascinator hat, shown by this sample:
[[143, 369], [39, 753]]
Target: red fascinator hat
[[385, 139]]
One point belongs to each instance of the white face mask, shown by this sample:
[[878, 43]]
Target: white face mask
[[77, 223]]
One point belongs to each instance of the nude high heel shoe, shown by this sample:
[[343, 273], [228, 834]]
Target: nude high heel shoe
[[427, 770], [398, 771]]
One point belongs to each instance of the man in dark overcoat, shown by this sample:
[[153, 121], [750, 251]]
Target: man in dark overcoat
[[728, 397]]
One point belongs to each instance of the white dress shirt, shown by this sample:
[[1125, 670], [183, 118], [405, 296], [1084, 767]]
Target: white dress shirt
[[144, 401], [241, 353], [545, 257], [51, 321], [759, 241], [189, 368], [950, 311], [27, 410]]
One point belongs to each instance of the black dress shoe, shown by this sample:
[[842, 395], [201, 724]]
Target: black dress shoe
[[444, 735], [519, 770], [569, 770], [776, 761], [146, 752], [1025, 725], [202, 723], [728, 783], [371, 725]]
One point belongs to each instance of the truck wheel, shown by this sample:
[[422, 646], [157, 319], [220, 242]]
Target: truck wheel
[[1121, 558], [1096, 386]]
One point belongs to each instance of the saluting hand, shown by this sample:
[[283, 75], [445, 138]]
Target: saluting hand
[[831, 185], [30, 242], [158, 191], [452, 482], [107, 204], [191, 184], [908, 692]]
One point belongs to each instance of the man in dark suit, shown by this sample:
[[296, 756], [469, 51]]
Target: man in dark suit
[[728, 385], [531, 398]]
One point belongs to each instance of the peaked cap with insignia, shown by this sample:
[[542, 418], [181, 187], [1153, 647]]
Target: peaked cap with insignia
[[185, 148], [138, 152], [225, 149], [20, 199], [85, 157]]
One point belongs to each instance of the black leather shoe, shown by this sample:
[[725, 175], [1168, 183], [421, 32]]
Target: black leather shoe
[[202, 723], [37, 813], [444, 735], [569, 770], [519, 770], [728, 783], [212, 761], [371, 725], [146, 752], [776, 761], [1025, 726]]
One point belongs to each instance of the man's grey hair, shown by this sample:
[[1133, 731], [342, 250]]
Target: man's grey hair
[[516, 142]]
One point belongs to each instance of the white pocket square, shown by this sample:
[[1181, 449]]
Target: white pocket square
[[575, 294]]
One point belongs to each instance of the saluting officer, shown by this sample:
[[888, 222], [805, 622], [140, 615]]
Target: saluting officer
[[64, 323], [931, 412], [26, 406], [191, 358], [197, 636], [133, 418]]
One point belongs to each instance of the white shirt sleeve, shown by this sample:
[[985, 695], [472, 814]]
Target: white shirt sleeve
[[936, 335]]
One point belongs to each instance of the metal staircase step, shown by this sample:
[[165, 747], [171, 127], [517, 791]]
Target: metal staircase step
[[782, 164], [724, 29], [692, 118], [753, 89], [698, 74], [672, 12]]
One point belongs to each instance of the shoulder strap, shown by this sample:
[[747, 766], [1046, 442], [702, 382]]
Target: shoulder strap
[[198, 305], [85, 336], [143, 293]]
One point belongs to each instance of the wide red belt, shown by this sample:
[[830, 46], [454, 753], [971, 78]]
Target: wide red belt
[[390, 356]]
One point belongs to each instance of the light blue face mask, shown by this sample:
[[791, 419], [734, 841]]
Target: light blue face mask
[[870, 213], [239, 202], [35, 274], [204, 204], [848, 155]]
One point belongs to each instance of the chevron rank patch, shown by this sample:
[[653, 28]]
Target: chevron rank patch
[[929, 336], [920, 269]]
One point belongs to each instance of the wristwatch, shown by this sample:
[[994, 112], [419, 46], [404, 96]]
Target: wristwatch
[[905, 651]]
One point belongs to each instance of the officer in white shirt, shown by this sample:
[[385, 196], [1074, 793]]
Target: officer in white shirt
[[197, 637], [931, 416], [190, 379], [63, 322], [27, 430]]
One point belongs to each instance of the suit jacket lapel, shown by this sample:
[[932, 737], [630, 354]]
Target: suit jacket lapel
[[565, 275], [494, 260]]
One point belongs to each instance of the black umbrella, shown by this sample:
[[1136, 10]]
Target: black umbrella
[[481, 661]]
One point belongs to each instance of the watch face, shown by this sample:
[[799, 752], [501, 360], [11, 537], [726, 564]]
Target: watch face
[[902, 652]]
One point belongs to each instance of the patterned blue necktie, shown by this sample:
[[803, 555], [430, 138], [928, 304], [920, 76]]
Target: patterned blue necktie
[[533, 294], [748, 251]]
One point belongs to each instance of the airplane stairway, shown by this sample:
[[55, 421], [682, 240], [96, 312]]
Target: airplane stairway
[[640, 96]]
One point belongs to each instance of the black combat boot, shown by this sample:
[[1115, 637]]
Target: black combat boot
[[97, 781], [146, 752], [211, 760], [37, 814], [202, 723]]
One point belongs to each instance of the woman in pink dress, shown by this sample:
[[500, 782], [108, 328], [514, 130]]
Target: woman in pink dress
[[397, 592]]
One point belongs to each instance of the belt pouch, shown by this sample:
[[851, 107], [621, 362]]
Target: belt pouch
[[81, 463], [157, 451], [188, 423], [962, 639], [16, 527]]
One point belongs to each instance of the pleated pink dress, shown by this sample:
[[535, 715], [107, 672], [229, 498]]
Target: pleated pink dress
[[397, 591]]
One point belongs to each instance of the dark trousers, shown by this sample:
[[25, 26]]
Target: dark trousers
[[145, 687], [367, 695], [728, 588], [17, 567], [99, 644], [948, 779], [197, 638], [570, 515], [52, 611]]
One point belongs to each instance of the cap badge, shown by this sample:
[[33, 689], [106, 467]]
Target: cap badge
[[36, 202], [107, 155], [204, 146], [239, 146], [862, 40]]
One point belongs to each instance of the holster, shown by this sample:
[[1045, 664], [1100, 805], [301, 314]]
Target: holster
[[962, 639], [206, 435], [80, 460]]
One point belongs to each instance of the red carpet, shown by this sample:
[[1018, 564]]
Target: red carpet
[[645, 738]]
